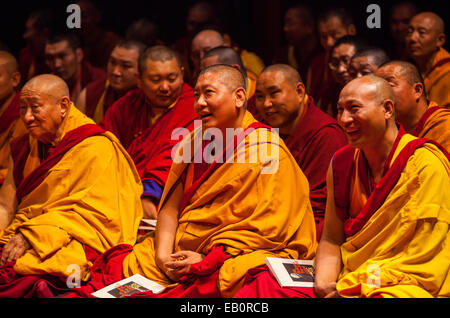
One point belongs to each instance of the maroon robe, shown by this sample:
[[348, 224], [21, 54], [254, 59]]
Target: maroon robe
[[313, 143]]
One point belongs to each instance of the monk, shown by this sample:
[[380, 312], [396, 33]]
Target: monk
[[332, 24], [65, 58], [71, 193], [218, 221], [145, 119], [340, 56], [386, 223], [424, 40], [300, 30], [366, 61], [399, 16], [311, 135], [418, 116], [10, 126], [122, 73]]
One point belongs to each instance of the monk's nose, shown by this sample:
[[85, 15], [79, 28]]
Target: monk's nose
[[28, 116]]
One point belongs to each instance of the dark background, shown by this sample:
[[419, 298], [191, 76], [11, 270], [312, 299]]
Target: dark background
[[256, 25]]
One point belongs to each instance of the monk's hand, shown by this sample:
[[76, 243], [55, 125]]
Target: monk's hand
[[14, 249], [149, 208], [180, 263], [326, 290]]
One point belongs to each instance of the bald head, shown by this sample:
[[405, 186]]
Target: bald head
[[208, 38], [405, 69], [48, 84], [9, 62], [228, 75], [371, 85], [435, 21], [290, 74]]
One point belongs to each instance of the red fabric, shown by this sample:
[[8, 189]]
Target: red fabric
[[261, 283], [188, 193], [11, 113], [382, 188], [313, 143], [72, 138], [94, 92], [128, 118], [90, 73], [199, 282], [421, 123]]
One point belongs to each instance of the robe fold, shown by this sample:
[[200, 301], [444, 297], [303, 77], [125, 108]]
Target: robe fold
[[236, 215], [437, 79], [313, 143], [397, 243], [10, 127], [435, 125], [150, 145], [84, 197], [99, 97]]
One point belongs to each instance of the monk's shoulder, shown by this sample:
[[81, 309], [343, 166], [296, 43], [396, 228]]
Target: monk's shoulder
[[429, 161], [97, 147]]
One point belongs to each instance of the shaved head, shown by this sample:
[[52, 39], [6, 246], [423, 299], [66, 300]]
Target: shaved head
[[372, 84], [407, 70], [229, 76], [9, 61], [289, 73], [435, 20], [48, 84]]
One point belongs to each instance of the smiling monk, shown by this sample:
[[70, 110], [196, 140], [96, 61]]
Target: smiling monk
[[386, 224]]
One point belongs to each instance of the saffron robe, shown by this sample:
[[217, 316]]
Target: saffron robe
[[237, 216], [437, 79], [313, 143], [150, 145], [99, 97], [396, 246], [85, 197], [10, 127], [435, 125]]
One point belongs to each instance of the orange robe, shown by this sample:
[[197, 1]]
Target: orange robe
[[437, 79]]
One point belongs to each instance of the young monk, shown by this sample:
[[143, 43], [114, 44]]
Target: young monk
[[386, 224], [218, 221]]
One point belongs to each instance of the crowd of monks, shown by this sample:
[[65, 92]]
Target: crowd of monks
[[99, 131]]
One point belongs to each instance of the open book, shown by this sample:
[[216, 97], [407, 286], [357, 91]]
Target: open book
[[292, 272], [128, 286]]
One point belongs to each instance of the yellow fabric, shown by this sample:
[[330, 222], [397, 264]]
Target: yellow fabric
[[100, 108], [90, 197], [437, 127], [437, 83], [15, 129], [251, 61], [403, 250], [254, 215], [251, 84]]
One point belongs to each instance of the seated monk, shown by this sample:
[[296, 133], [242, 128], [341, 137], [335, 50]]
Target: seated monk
[[418, 116], [424, 40], [121, 76], [366, 61], [146, 117], [386, 226], [217, 221], [10, 125], [71, 193], [311, 135]]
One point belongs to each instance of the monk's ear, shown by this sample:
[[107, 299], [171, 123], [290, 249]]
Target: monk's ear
[[351, 29], [182, 71], [417, 91], [300, 89], [441, 40], [79, 54], [226, 40], [15, 79], [240, 97], [65, 106], [388, 105]]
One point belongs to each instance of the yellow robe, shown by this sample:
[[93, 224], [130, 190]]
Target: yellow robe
[[437, 82], [254, 215], [403, 249], [437, 127], [90, 197]]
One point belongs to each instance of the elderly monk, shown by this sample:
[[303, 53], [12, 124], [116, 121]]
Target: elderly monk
[[121, 72], [10, 125], [386, 226], [65, 58], [71, 193], [145, 119], [332, 24], [418, 116], [217, 221], [424, 42], [366, 61], [311, 135]]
